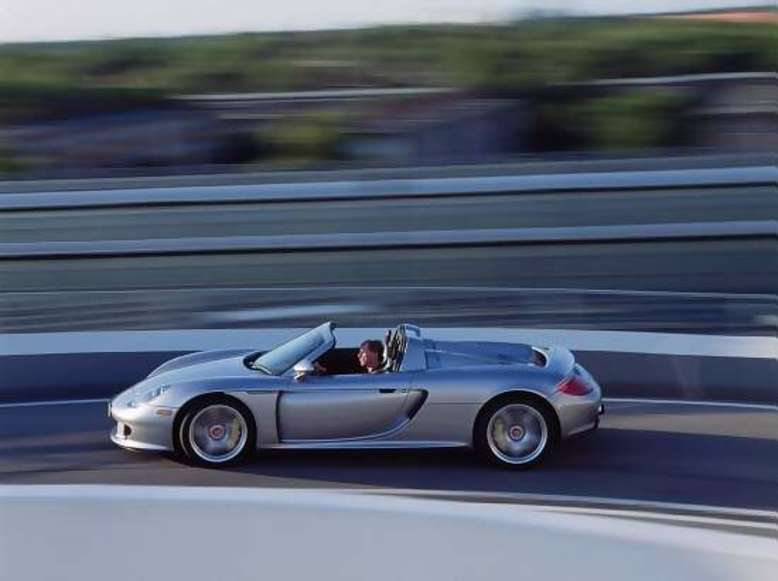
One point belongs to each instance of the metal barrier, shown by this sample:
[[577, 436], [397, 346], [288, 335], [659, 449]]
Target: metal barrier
[[392, 188], [399, 240]]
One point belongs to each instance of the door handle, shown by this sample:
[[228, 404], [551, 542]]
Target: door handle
[[387, 390]]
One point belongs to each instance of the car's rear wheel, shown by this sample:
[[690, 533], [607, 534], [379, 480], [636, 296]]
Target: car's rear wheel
[[516, 432], [217, 432]]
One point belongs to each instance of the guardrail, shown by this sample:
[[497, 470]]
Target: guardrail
[[392, 188], [605, 341], [389, 240]]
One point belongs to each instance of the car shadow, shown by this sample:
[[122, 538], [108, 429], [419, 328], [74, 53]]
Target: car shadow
[[608, 463]]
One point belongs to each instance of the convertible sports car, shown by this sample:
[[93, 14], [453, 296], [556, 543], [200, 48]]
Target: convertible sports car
[[511, 402]]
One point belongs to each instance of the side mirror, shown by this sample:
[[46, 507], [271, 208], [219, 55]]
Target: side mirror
[[302, 368]]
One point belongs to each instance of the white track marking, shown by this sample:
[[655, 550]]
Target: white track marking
[[557, 499], [698, 403], [584, 504], [450, 288], [32, 404], [262, 339]]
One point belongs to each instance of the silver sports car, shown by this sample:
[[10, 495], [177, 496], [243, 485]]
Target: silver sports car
[[512, 402]]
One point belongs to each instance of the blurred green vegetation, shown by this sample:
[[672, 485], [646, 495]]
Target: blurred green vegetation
[[631, 120], [305, 138], [619, 121], [8, 162], [512, 56], [531, 59]]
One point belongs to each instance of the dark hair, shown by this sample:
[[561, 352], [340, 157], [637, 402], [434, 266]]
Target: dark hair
[[373, 345]]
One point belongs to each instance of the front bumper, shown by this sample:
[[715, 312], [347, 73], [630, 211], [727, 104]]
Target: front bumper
[[142, 427]]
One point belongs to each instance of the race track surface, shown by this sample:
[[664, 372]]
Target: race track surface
[[712, 455]]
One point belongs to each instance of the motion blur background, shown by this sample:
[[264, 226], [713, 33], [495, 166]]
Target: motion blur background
[[593, 174], [333, 132], [531, 82]]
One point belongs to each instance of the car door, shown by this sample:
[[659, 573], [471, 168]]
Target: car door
[[341, 407]]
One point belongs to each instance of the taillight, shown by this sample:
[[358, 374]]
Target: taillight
[[575, 385]]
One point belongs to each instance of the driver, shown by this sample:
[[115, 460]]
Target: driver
[[371, 355]]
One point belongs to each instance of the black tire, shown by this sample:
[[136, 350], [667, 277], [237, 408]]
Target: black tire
[[186, 436], [539, 413]]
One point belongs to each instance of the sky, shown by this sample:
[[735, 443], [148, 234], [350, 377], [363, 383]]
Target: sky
[[41, 20]]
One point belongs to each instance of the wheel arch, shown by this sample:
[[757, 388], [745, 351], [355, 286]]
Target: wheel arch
[[213, 396], [511, 394]]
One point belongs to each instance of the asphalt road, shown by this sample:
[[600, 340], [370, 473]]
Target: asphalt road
[[729, 266], [569, 209], [682, 454]]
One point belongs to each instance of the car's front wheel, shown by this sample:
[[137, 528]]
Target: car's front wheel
[[516, 432], [217, 432]]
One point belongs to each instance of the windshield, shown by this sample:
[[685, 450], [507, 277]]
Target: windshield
[[283, 357]]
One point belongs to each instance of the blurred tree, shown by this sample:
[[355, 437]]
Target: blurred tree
[[525, 59], [524, 54], [9, 163], [314, 136], [629, 120]]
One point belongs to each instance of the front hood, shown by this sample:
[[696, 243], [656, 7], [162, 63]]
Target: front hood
[[466, 353], [194, 373], [202, 363]]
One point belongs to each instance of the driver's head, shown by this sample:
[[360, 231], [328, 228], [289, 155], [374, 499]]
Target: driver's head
[[371, 354]]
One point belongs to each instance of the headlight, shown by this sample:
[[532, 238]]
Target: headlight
[[148, 396], [153, 394]]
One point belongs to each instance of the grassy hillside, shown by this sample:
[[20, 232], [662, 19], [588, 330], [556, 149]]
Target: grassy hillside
[[520, 55]]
